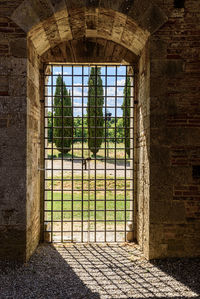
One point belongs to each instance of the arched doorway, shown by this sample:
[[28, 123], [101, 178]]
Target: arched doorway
[[85, 32]]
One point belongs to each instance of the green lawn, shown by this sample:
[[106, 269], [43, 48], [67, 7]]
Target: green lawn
[[77, 205], [60, 206]]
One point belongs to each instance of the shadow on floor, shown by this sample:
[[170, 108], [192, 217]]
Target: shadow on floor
[[120, 271], [103, 271], [184, 270], [46, 275]]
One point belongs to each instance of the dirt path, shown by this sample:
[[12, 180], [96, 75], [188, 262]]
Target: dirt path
[[110, 168]]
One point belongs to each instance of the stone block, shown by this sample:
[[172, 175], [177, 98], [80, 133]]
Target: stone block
[[91, 3], [12, 66], [18, 66], [25, 16], [158, 87], [181, 175], [161, 68], [158, 120], [4, 85], [160, 175], [161, 193], [17, 86], [75, 4], [176, 246], [43, 9], [13, 235], [153, 18], [32, 93], [58, 5], [138, 9], [18, 47], [192, 245], [167, 212], [162, 103], [193, 136], [160, 155], [158, 48], [110, 4], [169, 136]]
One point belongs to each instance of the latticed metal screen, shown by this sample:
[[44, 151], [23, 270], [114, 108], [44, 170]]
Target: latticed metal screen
[[89, 148]]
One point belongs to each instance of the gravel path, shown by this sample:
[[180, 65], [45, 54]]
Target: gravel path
[[100, 166], [99, 271]]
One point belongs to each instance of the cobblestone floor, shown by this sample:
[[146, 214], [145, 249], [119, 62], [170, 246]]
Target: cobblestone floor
[[99, 271]]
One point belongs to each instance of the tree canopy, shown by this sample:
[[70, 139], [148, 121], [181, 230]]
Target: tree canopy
[[63, 117], [126, 114], [95, 103]]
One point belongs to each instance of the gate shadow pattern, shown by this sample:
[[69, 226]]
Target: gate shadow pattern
[[121, 271], [103, 271]]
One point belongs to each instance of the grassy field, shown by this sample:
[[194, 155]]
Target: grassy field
[[97, 183], [61, 205]]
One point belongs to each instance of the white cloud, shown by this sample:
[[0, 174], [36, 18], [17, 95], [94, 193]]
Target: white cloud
[[60, 73], [121, 82], [78, 92], [111, 91], [78, 103], [78, 111]]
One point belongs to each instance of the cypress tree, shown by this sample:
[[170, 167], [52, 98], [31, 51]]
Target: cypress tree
[[50, 130], [64, 126], [95, 120], [126, 114]]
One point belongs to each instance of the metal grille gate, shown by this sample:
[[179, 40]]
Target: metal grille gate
[[88, 194]]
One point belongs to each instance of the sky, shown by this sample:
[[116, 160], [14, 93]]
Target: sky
[[115, 83]]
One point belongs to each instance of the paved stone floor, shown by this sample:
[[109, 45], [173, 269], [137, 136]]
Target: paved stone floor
[[99, 271]]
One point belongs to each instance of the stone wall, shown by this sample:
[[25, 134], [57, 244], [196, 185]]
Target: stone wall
[[143, 148], [34, 141], [175, 130], [13, 108], [20, 143]]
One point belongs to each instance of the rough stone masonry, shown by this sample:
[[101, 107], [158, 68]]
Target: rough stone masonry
[[162, 39]]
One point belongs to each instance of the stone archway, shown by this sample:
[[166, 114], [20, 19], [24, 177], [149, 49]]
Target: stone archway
[[49, 23], [116, 31]]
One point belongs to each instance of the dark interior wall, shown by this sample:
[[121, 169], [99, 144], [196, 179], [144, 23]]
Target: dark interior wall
[[13, 107], [175, 131]]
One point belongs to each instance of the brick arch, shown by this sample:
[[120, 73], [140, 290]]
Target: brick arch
[[89, 50], [50, 23]]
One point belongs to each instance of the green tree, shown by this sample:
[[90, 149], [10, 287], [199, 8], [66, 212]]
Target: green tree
[[50, 130], [116, 130], [80, 132], [63, 117], [95, 120], [120, 130], [126, 114]]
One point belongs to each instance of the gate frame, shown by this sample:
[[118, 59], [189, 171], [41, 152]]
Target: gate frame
[[131, 227]]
